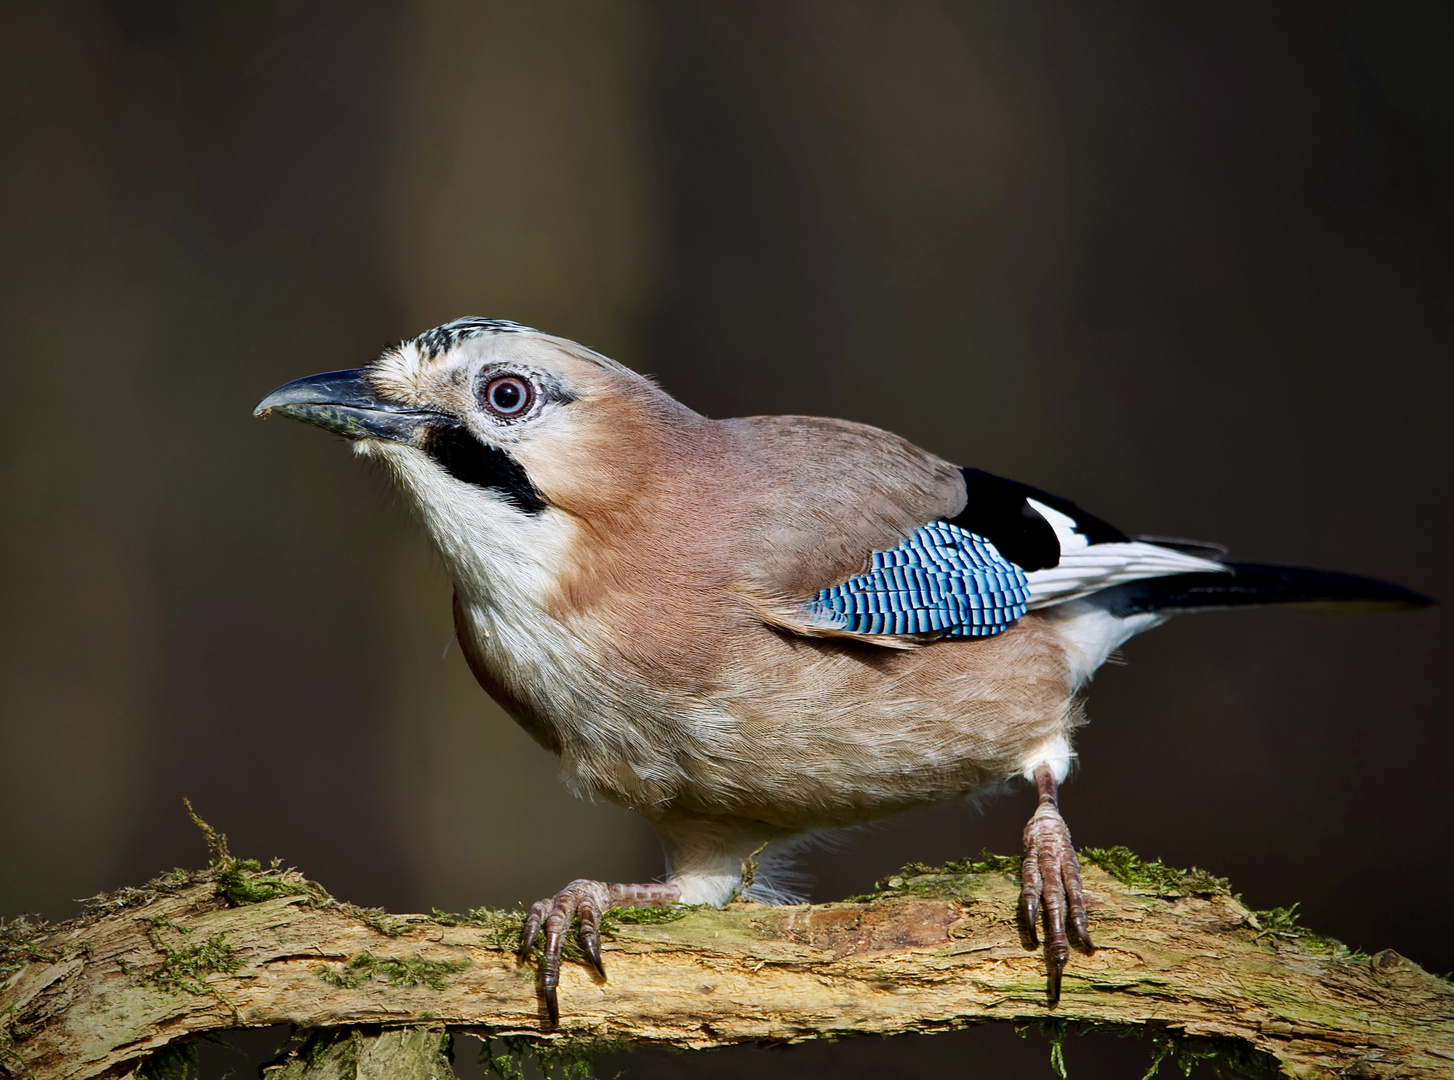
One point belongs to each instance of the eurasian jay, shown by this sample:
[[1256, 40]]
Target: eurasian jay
[[752, 629]]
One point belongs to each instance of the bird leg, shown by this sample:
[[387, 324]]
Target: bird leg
[[588, 900], [1050, 882]]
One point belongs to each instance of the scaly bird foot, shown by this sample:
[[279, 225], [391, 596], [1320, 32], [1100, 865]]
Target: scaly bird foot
[[1050, 883], [588, 900]]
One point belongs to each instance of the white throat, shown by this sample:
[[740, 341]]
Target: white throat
[[505, 565]]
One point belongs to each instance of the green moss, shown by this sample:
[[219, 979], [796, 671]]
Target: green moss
[[413, 971], [241, 882], [506, 928], [646, 916], [18, 947], [377, 918], [509, 1062], [562, 1059], [1153, 875], [987, 863], [333, 1052], [952, 880], [503, 927], [1276, 920], [241, 888], [186, 969], [1228, 1059], [105, 905], [1055, 1031], [473, 917], [216, 841], [480, 916], [749, 872], [1281, 924]]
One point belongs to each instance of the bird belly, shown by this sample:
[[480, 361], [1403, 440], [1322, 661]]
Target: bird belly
[[795, 733], [835, 734]]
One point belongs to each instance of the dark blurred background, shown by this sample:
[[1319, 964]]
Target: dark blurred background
[[1189, 265]]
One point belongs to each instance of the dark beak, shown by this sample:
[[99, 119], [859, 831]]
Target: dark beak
[[344, 402]]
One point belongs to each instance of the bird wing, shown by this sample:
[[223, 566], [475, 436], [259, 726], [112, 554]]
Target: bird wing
[[942, 581], [913, 550], [1065, 552]]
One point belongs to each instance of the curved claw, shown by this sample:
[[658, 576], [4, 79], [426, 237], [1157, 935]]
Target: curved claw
[[1051, 886], [531, 930], [590, 938], [582, 897], [587, 900], [1054, 969], [1031, 883]]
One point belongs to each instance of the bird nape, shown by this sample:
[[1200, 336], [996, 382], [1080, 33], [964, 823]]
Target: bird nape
[[681, 608]]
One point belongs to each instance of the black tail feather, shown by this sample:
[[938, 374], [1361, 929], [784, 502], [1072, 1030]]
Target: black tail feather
[[1254, 583]]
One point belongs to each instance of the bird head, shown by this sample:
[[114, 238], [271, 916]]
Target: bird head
[[508, 440]]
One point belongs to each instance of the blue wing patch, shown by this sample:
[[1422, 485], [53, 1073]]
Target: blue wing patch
[[941, 580]]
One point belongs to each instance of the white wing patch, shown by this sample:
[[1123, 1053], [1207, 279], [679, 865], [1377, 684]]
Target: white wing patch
[[1086, 568], [1064, 525]]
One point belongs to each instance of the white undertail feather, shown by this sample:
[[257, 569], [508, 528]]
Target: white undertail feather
[[1066, 592], [1055, 752], [706, 860], [1090, 634]]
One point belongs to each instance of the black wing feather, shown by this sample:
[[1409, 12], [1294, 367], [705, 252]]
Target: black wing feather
[[999, 510]]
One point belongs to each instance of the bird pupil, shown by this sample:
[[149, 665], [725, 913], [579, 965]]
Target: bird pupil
[[507, 396]]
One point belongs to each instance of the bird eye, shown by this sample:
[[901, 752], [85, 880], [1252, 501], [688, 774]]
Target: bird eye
[[508, 395]]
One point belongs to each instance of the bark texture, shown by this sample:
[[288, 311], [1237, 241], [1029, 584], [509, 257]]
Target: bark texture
[[236, 947]]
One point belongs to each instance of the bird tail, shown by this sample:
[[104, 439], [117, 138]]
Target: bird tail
[[1248, 584]]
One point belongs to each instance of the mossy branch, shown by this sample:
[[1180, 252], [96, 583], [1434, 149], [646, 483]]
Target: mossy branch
[[1181, 960]]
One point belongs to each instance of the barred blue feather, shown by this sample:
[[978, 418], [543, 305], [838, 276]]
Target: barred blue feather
[[941, 580]]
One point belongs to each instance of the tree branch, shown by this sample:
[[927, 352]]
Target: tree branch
[[236, 946]]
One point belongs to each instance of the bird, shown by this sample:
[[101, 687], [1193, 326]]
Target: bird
[[755, 630]]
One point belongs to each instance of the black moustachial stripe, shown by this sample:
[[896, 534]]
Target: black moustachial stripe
[[999, 511], [466, 458]]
